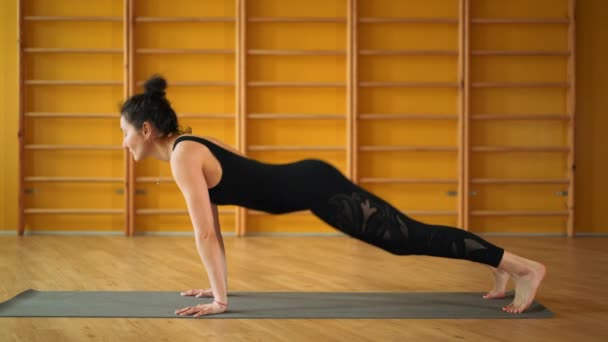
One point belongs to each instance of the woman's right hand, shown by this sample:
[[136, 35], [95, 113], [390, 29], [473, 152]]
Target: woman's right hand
[[198, 293]]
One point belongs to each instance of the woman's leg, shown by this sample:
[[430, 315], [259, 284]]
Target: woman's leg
[[366, 217], [362, 215]]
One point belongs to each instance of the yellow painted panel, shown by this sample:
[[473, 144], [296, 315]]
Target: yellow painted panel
[[185, 35], [519, 37], [518, 100], [408, 133], [185, 8], [177, 223], [519, 165], [74, 67], [519, 133], [514, 225], [196, 99], [73, 131], [186, 67], [42, 34], [80, 223], [518, 197], [287, 224], [75, 195], [408, 36], [74, 99], [408, 100], [519, 69], [301, 36], [152, 168], [311, 8], [73, 8], [409, 197], [64, 163], [159, 196], [410, 68], [409, 8], [223, 129], [297, 132], [297, 68], [408, 164], [296, 100], [519, 8]]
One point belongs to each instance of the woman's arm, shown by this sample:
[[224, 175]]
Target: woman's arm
[[186, 165]]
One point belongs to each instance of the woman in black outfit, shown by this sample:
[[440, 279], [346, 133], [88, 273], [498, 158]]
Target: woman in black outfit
[[209, 173]]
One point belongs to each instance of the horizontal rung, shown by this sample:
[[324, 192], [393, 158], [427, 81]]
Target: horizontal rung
[[64, 50], [520, 84], [519, 149], [408, 181], [73, 18], [206, 116], [297, 116], [409, 20], [295, 84], [72, 147], [76, 211], [411, 84], [74, 179], [409, 52], [154, 180], [296, 20], [175, 212], [71, 115], [187, 51], [295, 148], [518, 181], [520, 21], [519, 213], [197, 83], [408, 117], [408, 148], [185, 19], [297, 52], [520, 117], [73, 83], [519, 53]]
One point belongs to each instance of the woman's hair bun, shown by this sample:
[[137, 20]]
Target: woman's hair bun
[[156, 85]]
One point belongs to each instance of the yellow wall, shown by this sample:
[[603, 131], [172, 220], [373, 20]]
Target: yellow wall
[[8, 114], [591, 86]]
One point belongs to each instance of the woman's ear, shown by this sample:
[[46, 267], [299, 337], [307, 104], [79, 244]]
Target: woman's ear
[[146, 129]]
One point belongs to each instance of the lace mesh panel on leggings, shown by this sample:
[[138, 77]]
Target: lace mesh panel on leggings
[[368, 219]]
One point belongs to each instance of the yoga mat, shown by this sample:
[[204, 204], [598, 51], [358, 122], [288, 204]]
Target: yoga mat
[[32, 303]]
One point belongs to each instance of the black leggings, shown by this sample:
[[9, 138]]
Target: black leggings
[[364, 216]]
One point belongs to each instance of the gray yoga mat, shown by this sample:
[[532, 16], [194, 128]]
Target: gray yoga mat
[[32, 303]]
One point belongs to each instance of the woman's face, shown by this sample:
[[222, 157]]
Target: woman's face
[[133, 139]]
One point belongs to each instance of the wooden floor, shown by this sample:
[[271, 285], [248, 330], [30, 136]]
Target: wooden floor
[[575, 288]]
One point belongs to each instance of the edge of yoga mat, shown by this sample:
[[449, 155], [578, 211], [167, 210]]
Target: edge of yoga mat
[[297, 305]]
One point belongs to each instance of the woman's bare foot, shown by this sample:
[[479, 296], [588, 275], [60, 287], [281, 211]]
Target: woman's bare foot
[[527, 275], [501, 278]]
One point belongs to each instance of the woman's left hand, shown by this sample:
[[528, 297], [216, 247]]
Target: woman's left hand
[[202, 309]]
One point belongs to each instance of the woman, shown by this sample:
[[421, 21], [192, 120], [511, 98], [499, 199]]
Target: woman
[[210, 173]]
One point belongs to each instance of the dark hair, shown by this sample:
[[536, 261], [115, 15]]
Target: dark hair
[[152, 106]]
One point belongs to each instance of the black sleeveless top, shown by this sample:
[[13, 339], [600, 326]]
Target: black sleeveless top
[[274, 188]]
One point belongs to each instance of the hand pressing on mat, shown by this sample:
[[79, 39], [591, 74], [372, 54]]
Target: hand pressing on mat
[[198, 293], [203, 309]]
